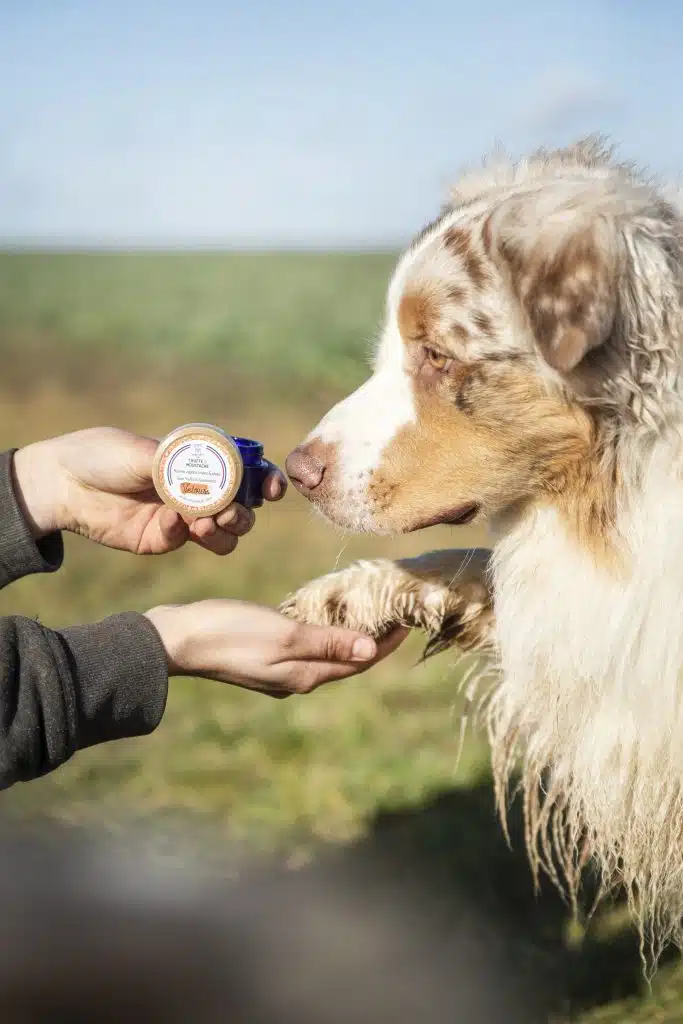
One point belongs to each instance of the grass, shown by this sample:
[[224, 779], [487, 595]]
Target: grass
[[250, 342], [291, 320]]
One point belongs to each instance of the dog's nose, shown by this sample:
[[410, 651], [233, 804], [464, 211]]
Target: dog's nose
[[304, 469]]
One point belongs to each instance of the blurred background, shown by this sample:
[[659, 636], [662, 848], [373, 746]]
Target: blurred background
[[200, 207]]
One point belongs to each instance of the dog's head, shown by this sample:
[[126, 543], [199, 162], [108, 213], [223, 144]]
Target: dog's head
[[539, 306]]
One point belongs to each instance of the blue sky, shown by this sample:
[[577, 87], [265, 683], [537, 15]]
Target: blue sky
[[294, 122]]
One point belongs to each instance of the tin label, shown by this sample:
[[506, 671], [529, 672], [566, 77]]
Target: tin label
[[198, 474]]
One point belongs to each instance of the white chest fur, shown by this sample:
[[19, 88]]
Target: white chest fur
[[592, 688]]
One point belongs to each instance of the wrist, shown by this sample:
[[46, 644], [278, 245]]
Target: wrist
[[168, 622], [39, 489]]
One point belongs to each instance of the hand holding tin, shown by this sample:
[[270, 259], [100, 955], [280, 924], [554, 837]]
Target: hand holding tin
[[98, 483]]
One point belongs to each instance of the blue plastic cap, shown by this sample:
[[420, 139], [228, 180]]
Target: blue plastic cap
[[256, 469]]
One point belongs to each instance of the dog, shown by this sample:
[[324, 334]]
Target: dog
[[529, 374]]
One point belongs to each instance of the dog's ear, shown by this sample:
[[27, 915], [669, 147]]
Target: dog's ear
[[562, 266]]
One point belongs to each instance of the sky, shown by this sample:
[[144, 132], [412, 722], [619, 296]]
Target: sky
[[306, 123]]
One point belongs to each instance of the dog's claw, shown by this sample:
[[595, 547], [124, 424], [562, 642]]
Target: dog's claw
[[445, 638]]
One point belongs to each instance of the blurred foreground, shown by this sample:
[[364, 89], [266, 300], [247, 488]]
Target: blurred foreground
[[91, 932], [394, 894]]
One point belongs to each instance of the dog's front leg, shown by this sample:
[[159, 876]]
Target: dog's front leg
[[446, 594]]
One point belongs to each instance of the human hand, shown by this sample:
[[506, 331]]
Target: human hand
[[98, 483], [259, 649]]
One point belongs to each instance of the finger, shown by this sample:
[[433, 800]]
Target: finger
[[307, 676], [228, 516], [310, 675], [172, 530], [236, 519], [275, 484], [276, 692], [219, 543], [330, 643], [139, 452], [240, 522], [388, 644], [202, 529]]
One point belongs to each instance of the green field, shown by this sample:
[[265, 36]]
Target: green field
[[285, 322], [261, 344]]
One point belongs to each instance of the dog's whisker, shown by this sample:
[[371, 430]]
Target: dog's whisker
[[338, 558]]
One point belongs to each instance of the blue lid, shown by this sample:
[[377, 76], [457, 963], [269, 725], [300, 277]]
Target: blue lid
[[251, 451]]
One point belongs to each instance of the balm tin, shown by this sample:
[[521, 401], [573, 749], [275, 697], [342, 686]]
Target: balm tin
[[199, 470]]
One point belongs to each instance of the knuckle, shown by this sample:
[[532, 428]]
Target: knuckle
[[228, 516], [289, 638], [333, 648]]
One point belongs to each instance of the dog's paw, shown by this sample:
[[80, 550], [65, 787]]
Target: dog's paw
[[444, 594], [362, 597]]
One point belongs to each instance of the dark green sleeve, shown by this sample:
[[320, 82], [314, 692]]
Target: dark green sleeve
[[20, 555], [63, 690]]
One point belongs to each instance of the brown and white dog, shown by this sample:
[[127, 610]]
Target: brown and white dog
[[529, 372]]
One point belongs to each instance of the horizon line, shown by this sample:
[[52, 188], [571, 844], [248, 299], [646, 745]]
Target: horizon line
[[76, 246]]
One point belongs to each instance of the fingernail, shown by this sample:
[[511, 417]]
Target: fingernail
[[273, 485], [363, 649]]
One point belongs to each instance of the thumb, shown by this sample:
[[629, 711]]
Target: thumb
[[331, 643], [140, 452], [172, 531]]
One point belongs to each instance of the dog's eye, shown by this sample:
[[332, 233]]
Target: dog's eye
[[437, 359]]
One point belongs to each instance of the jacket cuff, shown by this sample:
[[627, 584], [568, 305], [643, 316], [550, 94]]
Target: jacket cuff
[[120, 672], [20, 554]]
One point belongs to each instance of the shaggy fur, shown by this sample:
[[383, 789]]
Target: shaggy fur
[[533, 345]]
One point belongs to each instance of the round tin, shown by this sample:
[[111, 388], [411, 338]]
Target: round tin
[[199, 470]]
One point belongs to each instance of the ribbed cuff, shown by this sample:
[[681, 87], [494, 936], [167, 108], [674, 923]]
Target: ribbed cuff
[[20, 554], [120, 674]]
